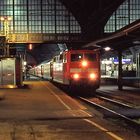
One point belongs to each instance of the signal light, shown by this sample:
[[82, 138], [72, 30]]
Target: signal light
[[30, 46]]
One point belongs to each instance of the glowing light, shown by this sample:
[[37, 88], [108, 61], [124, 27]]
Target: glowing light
[[5, 18], [30, 46], [76, 76], [2, 18], [107, 48], [25, 63], [9, 74], [92, 76], [9, 18], [84, 63], [11, 86]]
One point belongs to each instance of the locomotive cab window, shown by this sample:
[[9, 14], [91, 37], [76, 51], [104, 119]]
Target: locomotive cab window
[[90, 56], [76, 57]]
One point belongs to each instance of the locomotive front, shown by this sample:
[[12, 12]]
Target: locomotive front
[[85, 68]]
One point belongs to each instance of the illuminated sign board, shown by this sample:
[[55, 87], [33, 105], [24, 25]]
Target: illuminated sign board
[[124, 61]]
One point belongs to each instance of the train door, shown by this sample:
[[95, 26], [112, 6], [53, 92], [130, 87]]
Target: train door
[[51, 70]]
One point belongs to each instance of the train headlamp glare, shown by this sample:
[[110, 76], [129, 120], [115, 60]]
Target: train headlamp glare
[[84, 63], [76, 76], [92, 76]]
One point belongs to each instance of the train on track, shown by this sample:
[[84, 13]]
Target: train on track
[[73, 68]]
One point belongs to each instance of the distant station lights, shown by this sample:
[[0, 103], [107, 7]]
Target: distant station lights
[[6, 21], [6, 18]]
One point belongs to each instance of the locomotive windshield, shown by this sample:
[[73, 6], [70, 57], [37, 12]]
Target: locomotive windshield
[[90, 56], [76, 57], [87, 56]]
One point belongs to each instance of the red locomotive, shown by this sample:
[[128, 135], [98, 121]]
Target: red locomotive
[[73, 68]]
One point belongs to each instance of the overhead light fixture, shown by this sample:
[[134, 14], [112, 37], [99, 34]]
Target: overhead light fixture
[[107, 48]]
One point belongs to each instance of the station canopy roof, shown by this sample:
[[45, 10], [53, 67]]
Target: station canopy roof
[[124, 38], [92, 15]]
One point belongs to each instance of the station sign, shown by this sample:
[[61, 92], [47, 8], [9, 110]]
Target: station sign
[[124, 61]]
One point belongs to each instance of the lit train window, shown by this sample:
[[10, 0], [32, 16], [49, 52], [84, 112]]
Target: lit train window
[[90, 56], [54, 59], [76, 57], [61, 57]]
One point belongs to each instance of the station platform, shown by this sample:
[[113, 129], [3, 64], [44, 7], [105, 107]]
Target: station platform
[[44, 90], [42, 111], [37, 100], [126, 81]]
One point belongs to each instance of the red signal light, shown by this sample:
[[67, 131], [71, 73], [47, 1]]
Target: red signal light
[[30, 46]]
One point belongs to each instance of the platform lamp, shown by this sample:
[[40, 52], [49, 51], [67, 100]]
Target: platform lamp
[[6, 20]]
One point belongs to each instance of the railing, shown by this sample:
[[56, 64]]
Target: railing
[[44, 38]]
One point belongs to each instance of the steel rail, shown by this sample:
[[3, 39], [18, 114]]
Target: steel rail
[[131, 122], [114, 101]]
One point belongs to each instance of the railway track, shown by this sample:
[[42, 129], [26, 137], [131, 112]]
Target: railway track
[[116, 110], [113, 109], [126, 100], [116, 102]]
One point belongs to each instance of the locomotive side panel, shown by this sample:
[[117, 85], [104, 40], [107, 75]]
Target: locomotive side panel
[[66, 68]]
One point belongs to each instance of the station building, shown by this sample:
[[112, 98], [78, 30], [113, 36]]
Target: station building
[[43, 21]]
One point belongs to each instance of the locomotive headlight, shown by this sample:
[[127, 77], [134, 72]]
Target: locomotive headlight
[[84, 63], [76, 76], [92, 76]]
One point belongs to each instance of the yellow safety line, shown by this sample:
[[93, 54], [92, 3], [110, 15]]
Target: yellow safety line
[[87, 120], [103, 129], [58, 98], [79, 105], [86, 113]]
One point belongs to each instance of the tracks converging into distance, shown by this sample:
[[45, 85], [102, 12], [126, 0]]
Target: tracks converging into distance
[[114, 109]]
